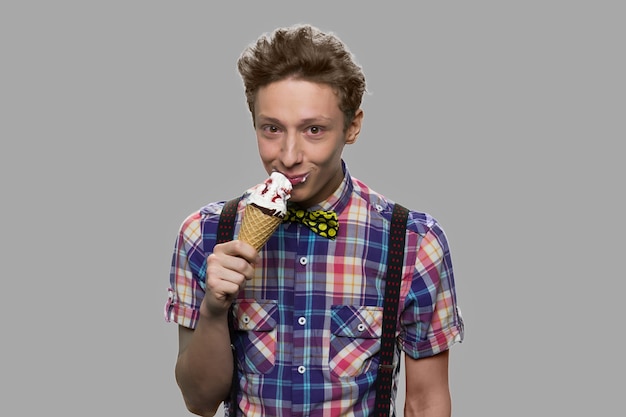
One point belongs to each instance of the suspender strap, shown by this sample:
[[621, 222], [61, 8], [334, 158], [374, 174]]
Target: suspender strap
[[225, 228], [395, 259], [225, 233]]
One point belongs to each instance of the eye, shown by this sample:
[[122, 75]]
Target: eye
[[271, 129], [315, 130]]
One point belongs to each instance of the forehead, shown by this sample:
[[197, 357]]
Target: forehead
[[291, 95]]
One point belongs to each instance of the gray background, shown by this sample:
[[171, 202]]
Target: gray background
[[120, 118]]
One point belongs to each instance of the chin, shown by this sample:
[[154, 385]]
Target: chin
[[297, 197]]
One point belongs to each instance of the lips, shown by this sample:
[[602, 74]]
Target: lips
[[297, 179]]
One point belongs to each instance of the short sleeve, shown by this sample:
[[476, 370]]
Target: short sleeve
[[187, 274], [431, 321]]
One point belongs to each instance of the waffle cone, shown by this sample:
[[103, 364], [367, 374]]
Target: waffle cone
[[257, 227]]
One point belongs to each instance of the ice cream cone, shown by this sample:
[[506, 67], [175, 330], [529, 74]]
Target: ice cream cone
[[266, 207], [257, 226]]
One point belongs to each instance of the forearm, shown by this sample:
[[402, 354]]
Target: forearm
[[434, 406], [441, 409], [204, 368], [427, 389]]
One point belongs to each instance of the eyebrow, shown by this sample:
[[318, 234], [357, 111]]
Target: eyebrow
[[309, 120]]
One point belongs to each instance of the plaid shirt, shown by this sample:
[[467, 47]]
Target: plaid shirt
[[310, 321]]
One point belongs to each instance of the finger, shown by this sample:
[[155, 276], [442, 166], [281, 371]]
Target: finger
[[237, 248], [230, 267], [226, 268]]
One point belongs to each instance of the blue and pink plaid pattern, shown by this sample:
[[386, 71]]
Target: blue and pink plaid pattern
[[309, 323]]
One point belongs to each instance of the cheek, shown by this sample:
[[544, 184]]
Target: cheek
[[325, 155], [266, 150]]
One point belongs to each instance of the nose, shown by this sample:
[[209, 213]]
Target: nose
[[291, 152]]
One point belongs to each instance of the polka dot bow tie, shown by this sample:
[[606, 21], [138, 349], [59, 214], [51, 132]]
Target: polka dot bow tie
[[324, 223]]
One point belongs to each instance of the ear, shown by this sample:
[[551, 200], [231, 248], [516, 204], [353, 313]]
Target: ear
[[355, 127]]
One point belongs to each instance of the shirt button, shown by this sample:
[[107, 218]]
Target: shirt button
[[361, 327], [302, 321], [379, 208], [301, 369], [303, 261], [246, 319]]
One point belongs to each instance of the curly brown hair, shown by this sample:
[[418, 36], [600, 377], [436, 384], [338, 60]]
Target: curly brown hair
[[303, 52]]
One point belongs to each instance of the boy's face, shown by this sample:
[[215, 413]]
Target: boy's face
[[300, 132]]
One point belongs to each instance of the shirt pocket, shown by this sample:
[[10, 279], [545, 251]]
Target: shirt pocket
[[255, 344], [354, 340]]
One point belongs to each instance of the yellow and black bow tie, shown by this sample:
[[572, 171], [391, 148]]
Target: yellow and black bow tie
[[324, 223]]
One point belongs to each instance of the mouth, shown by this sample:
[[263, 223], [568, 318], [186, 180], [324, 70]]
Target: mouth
[[298, 179]]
